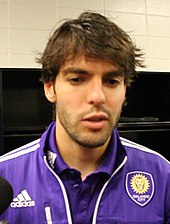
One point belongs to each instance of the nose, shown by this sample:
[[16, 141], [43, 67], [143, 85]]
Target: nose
[[95, 94]]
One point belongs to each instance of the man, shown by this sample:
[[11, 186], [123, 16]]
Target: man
[[81, 171]]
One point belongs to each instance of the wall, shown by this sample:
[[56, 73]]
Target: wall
[[25, 27]]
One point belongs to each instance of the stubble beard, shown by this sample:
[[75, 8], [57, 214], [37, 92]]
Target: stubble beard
[[87, 138]]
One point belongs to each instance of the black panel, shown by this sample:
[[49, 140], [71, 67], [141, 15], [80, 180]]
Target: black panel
[[1, 115], [24, 105], [149, 97]]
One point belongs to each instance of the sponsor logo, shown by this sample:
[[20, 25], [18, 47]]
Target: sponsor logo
[[140, 187], [22, 200]]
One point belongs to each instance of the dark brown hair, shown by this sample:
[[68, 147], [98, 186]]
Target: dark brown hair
[[95, 37]]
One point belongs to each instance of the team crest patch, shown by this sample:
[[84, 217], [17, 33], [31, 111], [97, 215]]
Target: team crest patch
[[140, 187]]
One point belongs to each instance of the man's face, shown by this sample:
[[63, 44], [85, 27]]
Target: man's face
[[89, 96]]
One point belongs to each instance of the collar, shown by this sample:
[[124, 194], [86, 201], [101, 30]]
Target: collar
[[114, 154], [53, 156], [108, 163]]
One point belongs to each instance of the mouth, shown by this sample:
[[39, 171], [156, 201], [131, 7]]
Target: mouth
[[95, 121]]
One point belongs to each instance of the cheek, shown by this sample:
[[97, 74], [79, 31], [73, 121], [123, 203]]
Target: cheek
[[72, 96], [116, 99], [67, 104], [122, 95]]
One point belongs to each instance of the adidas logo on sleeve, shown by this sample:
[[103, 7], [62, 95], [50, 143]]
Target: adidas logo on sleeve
[[22, 200]]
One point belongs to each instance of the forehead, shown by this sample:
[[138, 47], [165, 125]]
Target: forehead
[[89, 64]]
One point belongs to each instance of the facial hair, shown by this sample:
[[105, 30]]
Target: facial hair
[[83, 137]]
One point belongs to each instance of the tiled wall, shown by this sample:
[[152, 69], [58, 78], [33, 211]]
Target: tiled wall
[[25, 26]]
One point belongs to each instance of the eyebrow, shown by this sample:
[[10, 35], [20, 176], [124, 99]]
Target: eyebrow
[[116, 73], [75, 71], [80, 71]]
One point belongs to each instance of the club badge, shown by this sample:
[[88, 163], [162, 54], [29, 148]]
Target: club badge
[[140, 187]]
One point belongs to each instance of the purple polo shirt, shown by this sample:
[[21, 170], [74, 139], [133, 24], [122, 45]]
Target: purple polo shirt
[[83, 194]]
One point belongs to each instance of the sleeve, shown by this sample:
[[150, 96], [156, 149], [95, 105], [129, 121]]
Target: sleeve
[[167, 202]]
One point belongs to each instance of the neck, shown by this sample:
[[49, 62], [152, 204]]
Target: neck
[[86, 160]]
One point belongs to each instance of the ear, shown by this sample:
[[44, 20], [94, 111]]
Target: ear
[[50, 92]]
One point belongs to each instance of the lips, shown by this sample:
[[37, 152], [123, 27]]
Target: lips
[[95, 121]]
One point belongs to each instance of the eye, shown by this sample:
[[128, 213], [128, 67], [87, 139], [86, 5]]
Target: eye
[[112, 82], [76, 80]]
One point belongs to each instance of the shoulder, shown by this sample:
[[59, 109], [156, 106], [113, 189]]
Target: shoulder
[[142, 153], [21, 151]]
